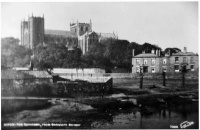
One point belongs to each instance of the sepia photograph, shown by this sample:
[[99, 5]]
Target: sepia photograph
[[100, 65]]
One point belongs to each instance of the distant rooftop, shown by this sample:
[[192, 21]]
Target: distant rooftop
[[184, 54], [88, 79], [38, 74], [13, 74]]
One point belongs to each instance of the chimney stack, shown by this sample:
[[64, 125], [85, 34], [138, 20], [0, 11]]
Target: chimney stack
[[169, 53], [153, 51], [185, 49], [156, 52], [133, 52]]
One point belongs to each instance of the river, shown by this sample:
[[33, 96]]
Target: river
[[69, 114]]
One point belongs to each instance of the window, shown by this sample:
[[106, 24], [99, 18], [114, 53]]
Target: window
[[75, 30], [184, 59], [164, 69], [145, 69], [81, 28], [152, 62], [191, 59], [153, 70], [176, 59], [192, 67], [164, 61], [137, 69], [86, 29], [137, 62], [145, 62], [176, 68]]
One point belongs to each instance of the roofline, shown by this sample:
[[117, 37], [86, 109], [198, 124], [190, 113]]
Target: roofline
[[25, 78], [146, 57], [185, 55], [57, 30]]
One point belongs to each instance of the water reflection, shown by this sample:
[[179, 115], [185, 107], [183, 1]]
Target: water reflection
[[160, 117]]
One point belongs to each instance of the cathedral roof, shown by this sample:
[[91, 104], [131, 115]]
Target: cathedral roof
[[106, 35], [60, 33]]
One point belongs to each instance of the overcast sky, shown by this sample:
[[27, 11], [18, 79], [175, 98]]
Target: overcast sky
[[166, 24]]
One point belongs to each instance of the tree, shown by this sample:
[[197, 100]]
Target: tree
[[170, 51], [117, 52], [14, 55], [184, 70], [55, 56]]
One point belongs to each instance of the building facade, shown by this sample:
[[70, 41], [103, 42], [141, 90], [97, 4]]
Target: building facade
[[146, 63], [154, 63], [33, 33]]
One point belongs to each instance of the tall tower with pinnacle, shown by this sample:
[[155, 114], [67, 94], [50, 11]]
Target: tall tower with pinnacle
[[32, 31]]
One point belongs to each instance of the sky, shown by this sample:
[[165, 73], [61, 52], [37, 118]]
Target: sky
[[166, 24]]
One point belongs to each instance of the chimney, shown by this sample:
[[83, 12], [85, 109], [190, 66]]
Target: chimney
[[133, 52], [153, 51], [158, 52], [169, 52], [185, 49]]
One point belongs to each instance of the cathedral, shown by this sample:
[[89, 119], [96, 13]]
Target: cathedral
[[80, 35]]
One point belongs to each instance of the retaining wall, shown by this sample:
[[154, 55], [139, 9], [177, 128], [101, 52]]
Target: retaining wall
[[194, 75]]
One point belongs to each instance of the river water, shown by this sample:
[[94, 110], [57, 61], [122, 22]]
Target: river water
[[75, 115]]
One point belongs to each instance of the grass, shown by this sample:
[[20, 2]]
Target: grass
[[172, 84]]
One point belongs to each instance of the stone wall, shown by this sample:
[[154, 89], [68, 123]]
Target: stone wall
[[80, 89], [78, 71]]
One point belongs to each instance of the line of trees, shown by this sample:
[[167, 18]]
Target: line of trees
[[107, 54]]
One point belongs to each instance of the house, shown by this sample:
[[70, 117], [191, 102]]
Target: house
[[154, 63], [188, 58], [149, 62]]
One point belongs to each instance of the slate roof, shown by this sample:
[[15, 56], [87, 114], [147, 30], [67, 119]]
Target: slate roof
[[145, 55], [60, 33], [39, 74], [13, 74], [184, 54]]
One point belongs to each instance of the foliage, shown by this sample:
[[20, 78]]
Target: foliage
[[56, 56], [171, 50], [13, 54], [107, 54]]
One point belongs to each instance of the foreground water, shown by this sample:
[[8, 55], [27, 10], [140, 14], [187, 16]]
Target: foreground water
[[68, 114]]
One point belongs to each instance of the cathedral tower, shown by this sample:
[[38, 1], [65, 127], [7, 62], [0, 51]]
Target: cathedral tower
[[32, 32], [80, 28]]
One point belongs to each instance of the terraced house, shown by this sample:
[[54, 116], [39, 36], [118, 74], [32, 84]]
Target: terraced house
[[155, 63]]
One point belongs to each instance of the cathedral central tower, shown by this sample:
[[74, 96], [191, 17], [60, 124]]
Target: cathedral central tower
[[80, 28]]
